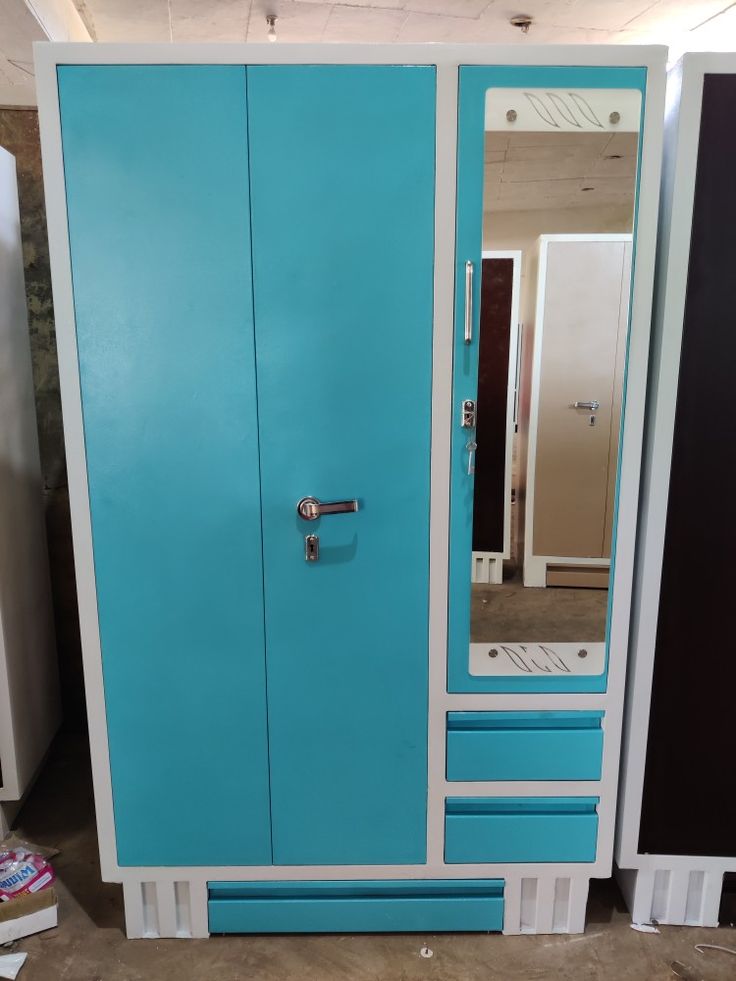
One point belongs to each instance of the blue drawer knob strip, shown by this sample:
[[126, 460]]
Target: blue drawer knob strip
[[524, 745]]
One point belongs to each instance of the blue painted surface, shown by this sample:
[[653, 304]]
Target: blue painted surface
[[342, 184], [474, 83], [524, 745], [356, 907], [521, 829], [156, 177]]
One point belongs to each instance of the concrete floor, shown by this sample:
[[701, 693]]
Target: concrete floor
[[514, 612], [89, 944]]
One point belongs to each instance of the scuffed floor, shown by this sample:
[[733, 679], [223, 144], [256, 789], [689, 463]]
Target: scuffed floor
[[89, 944]]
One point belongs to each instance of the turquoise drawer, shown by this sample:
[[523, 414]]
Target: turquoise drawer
[[524, 745], [521, 829], [416, 906]]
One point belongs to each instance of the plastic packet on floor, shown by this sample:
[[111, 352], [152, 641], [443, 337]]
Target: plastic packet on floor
[[10, 965], [23, 870]]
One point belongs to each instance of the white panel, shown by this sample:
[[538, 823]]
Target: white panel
[[563, 110], [133, 899], [29, 692], [711, 900], [166, 907], [545, 903], [529, 659], [578, 905]]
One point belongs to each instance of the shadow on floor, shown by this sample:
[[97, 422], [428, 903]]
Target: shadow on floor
[[59, 813]]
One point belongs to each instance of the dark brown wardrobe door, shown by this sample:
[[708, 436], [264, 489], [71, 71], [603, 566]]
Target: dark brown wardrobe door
[[493, 379], [689, 803]]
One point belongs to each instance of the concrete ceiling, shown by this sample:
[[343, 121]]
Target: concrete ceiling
[[587, 170], [684, 24]]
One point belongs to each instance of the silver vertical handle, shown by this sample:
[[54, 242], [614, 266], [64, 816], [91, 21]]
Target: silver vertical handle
[[468, 301]]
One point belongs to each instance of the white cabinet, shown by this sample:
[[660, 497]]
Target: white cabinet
[[29, 695]]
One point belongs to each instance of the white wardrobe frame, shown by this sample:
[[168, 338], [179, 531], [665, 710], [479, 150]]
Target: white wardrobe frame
[[538, 897], [677, 889], [30, 710], [535, 566], [487, 567]]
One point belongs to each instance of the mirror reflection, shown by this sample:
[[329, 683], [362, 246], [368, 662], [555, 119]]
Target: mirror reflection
[[559, 199]]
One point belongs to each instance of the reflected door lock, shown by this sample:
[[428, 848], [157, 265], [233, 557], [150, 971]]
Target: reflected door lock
[[468, 414]]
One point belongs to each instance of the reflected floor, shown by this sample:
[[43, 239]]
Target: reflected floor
[[513, 612]]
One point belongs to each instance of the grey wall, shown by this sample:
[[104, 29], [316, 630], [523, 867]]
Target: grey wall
[[19, 135]]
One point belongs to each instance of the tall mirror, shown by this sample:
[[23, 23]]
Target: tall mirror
[[560, 175]]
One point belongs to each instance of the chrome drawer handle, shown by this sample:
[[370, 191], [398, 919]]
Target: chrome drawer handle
[[468, 302], [593, 405], [310, 508]]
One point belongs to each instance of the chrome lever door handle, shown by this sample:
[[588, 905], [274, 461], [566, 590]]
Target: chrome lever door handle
[[310, 508], [593, 405]]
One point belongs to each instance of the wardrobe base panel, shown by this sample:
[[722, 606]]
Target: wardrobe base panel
[[687, 895]]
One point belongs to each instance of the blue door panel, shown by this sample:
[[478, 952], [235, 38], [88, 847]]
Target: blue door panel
[[475, 81], [342, 189], [156, 164]]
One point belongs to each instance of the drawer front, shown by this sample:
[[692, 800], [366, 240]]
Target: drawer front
[[521, 829], [356, 907], [524, 745]]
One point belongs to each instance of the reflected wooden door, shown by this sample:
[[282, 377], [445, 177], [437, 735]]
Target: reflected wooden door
[[494, 371], [583, 290]]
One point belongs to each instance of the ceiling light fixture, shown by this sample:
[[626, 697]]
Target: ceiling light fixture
[[271, 22], [522, 21]]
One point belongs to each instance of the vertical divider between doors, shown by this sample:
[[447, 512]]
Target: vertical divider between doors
[[258, 443], [442, 372]]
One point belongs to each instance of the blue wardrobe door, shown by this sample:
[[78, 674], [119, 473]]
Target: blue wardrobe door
[[156, 163], [342, 189]]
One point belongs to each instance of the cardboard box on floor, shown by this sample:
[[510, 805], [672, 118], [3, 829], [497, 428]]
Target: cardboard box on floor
[[32, 912], [29, 914]]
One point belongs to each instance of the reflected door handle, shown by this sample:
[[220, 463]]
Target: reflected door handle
[[310, 508], [593, 405]]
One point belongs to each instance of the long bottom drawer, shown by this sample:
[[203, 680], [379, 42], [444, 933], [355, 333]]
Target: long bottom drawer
[[393, 906]]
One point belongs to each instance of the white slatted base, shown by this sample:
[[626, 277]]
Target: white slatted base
[[545, 904], [487, 568], [681, 897], [165, 909]]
